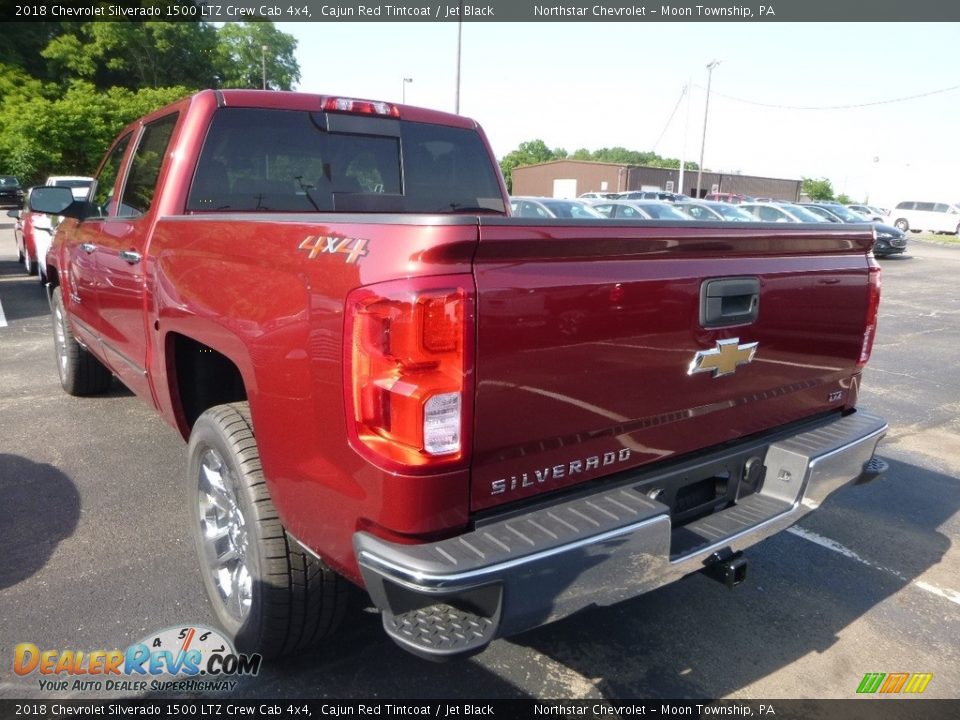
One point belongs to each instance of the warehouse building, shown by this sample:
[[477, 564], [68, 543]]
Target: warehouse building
[[572, 178]]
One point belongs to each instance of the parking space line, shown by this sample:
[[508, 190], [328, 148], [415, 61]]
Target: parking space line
[[951, 595], [3, 318]]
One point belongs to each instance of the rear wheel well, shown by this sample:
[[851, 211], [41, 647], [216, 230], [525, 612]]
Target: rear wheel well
[[202, 378]]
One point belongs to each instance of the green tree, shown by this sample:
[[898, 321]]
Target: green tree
[[136, 54], [530, 152], [69, 133], [815, 189], [240, 56], [23, 43], [844, 199]]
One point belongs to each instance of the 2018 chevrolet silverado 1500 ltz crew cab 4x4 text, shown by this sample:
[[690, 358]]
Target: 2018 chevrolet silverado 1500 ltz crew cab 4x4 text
[[486, 422]]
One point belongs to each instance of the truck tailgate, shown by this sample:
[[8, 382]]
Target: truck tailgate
[[588, 335]]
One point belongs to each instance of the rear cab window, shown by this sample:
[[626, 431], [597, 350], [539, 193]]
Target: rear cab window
[[328, 162]]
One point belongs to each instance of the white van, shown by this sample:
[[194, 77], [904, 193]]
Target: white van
[[916, 216]]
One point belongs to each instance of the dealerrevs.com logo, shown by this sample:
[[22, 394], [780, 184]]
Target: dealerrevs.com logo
[[178, 659]]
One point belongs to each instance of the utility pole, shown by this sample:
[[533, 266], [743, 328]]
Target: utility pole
[[706, 108], [403, 94]]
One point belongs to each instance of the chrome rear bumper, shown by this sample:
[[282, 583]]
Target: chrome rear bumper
[[453, 597]]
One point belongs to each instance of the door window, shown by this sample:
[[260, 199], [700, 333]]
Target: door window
[[145, 167], [102, 199]]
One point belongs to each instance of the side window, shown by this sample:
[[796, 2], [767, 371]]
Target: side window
[[525, 209], [540, 212], [145, 167], [604, 209], [103, 197], [940, 207], [925, 206]]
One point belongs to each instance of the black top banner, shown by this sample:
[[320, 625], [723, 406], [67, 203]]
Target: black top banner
[[858, 11]]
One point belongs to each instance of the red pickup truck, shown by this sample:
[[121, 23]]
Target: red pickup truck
[[486, 422]]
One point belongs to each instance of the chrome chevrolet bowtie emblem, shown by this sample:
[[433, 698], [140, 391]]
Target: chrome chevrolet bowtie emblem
[[724, 358]]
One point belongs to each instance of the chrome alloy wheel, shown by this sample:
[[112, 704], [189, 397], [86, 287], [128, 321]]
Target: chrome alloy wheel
[[224, 535], [60, 340]]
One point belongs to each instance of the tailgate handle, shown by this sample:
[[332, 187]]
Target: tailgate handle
[[729, 301]]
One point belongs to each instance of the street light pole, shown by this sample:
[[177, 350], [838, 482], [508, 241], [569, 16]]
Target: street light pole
[[403, 95], [686, 131], [456, 98], [706, 108], [263, 64]]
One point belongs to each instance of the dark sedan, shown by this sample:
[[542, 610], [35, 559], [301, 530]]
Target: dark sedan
[[10, 191], [890, 240]]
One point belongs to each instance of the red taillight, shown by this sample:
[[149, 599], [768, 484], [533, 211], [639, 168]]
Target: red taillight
[[360, 107], [408, 346], [873, 307]]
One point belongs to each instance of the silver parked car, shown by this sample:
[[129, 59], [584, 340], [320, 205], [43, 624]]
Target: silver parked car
[[781, 212], [714, 210], [640, 210], [545, 208]]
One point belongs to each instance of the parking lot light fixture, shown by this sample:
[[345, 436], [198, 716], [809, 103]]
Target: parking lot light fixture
[[706, 108], [403, 94]]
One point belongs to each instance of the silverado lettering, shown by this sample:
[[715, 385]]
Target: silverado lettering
[[364, 423], [559, 471]]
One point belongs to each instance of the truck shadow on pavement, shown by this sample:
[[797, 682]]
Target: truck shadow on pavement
[[694, 638], [22, 295], [40, 507]]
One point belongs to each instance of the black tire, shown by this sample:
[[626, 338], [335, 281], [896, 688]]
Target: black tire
[[902, 225], [80, 372], [28, 262], [267, 593]]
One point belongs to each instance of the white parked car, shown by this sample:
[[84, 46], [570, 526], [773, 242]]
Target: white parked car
[[933, 216], [44, 225]]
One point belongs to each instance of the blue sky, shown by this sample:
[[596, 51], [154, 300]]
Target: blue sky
[[604, 84]]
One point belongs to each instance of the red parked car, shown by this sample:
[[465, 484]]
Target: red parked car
[[24, 234]]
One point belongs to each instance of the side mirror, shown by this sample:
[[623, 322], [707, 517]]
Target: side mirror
[[55, 201], [15, 214]]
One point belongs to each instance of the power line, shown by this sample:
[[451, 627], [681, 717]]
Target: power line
[[837, 107], [670, 119]]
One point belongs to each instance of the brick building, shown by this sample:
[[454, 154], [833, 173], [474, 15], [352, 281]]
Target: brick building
[[571, 178]]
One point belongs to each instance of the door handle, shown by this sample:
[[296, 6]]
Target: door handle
[[88, 247], [130, 256]]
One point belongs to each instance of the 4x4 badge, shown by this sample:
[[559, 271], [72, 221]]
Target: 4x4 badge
[[723, 359], [353, 248]]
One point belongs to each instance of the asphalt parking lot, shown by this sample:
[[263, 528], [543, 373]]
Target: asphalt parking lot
[[95, 550]]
